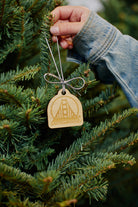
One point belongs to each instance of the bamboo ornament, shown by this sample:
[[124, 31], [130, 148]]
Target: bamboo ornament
[[64, 111]]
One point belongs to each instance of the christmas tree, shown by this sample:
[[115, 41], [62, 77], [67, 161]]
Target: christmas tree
[[52, 167]]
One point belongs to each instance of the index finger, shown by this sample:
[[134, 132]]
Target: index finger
[[62, 13]]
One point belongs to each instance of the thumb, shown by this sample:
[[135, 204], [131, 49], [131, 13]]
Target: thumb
[[67, 28]]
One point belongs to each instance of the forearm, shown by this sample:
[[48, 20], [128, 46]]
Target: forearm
[[104, 46]]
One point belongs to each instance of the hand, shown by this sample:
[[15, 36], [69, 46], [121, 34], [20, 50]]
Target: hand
[[69, 20]]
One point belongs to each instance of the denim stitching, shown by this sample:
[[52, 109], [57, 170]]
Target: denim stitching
[[110, 41], [107, 44]]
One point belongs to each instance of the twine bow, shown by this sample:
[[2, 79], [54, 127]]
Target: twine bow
[[61, 79]]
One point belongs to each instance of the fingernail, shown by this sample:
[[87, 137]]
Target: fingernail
[[62, 44], [54, 30]]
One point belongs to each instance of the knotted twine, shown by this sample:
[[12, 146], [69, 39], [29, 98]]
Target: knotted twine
[[60, 77]]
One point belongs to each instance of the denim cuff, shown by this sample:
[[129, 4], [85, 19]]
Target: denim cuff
[[114, 55], [93, 40]]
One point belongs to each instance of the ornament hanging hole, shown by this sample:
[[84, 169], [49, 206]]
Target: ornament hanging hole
[[63, 92]]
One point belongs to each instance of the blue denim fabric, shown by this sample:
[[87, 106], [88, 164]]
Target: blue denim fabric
[[114, 55]]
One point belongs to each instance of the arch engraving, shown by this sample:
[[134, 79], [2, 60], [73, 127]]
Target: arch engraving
[[64, 111]]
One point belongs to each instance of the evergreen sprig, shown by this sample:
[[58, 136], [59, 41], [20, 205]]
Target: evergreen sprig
[[84, 143], [19, 75], [95, 104]]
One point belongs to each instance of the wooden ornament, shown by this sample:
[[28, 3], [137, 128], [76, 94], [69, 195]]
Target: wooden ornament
[[64, 111]]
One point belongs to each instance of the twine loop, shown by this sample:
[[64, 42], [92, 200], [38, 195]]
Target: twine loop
[[63, 82], [60, 78]]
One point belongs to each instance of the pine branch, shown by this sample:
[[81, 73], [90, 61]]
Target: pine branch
[[65, 203], [16, 176], [28, 156], [22, 32], [11, 133], [38, 7], [96, 164], [3, 112], [78, 148], [30, 117], [34, 3], [98, 132], [28, 184], [9, 48], [9, 95], [123, 143], [95, 104], [76, 187], [18, 2], [26, 74], [2, 11], [84, 72], [45, 58], [87, 174], [15, 200]]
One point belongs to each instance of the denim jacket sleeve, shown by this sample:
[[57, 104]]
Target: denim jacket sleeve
[[114, 55]]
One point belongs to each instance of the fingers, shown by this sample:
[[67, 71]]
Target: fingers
[[68, 21], [68, 28], [64, 44], [62, 13], [64, 41]]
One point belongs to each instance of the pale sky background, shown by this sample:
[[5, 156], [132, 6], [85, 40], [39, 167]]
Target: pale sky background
[[91, 4]]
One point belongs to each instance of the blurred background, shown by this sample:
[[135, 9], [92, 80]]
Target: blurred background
[[95, 5], [121, 13], [123, 183]]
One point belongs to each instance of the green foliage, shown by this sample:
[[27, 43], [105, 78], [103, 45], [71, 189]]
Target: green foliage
[[122, 14], [20, 23], [40, 166]]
